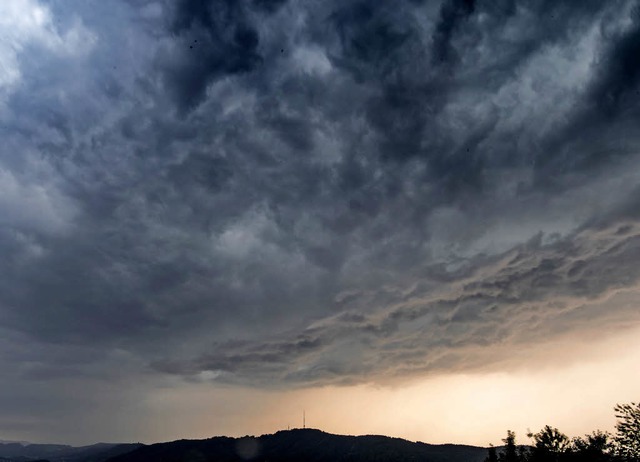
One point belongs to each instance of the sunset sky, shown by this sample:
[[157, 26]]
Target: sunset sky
[[406, 217]]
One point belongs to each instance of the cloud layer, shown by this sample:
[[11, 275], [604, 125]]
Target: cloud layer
[[277, 194]]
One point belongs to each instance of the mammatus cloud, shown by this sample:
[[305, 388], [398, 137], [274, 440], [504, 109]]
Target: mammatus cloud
[[278, 193]]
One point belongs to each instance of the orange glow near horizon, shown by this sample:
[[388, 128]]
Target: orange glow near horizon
[[576, 395]]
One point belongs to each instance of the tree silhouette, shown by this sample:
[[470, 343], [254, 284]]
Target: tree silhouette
[[510, 452], [627, 438], [596, 447], [493, 454], [550, 445]]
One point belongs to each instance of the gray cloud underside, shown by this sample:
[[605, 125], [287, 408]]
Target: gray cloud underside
[[272, 192], [532, 293]]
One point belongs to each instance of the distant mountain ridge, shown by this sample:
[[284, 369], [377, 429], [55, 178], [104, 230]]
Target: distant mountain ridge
[[26, 452], [303, 445]]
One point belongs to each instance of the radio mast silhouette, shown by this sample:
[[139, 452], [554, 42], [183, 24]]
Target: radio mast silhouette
[[304, 419]]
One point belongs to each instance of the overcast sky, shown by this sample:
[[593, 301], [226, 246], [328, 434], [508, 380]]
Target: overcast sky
[[419, 218]]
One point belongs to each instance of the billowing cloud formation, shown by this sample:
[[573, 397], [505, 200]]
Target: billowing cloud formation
[[527, 295], [281, 193]]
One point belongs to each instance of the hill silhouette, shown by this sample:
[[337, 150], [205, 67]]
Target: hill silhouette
[[303, 445], [100, 452]]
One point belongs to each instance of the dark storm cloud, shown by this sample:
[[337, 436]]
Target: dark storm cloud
[[213, 39], [616, 86], [452, 14], [268, 6], [271, 192]]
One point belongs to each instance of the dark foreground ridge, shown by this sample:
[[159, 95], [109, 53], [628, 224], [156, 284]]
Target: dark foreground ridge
[[302, 445]]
